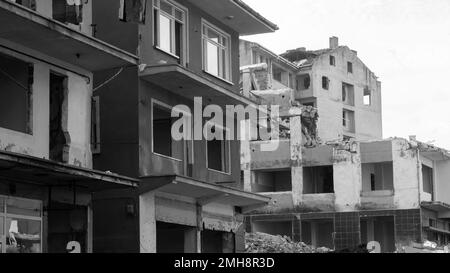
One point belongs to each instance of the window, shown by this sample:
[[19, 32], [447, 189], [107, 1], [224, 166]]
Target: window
[[325, 83], [218, 151], [31, 4], [163, 143], [16, 81], [427, 179], [132, 11], [95, 125], [348, 94], [20, 225], [367, 96], [317, 180], [216, 51], [169, 32], [348, 120], [277, 74], [349, 67], [332, 61], [68, 11]]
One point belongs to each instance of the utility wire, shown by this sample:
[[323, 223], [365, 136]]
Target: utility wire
[[109, 80]]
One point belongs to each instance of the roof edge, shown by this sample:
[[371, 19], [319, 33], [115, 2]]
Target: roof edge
[[257, 15]]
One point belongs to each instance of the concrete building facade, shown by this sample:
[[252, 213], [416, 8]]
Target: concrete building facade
[[47, 61], [190, 197]]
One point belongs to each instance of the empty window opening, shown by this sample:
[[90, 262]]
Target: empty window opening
[[272, 181], [282, 228], [16, 81], [172, 238], [95, 125], [280, 75], [349, 67], [348, 121], [325, 83], [217, 242], [68, 11], [318, 233], [31, 4], [381, 230], [348, 94], [303, 82], [163, 143], [318, 180], [332, 61], [367, 99], [218, 152], [427, 177], [59, 136], [377, 176]]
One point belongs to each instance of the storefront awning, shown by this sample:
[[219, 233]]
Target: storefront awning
[[28, 28], [188, 84], [26, 169], [201, 191]]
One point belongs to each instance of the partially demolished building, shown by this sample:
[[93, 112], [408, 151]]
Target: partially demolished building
[[330, 188]]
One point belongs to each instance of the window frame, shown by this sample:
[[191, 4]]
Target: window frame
[[185, 142], [224, 35], [350, 67], [369, 96], [227, 150], [156, 10], [332, 60], [328, 83]]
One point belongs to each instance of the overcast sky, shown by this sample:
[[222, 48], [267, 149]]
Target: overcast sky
[[405, 42]]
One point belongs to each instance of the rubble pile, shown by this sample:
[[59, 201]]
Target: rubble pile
[[265, 243]]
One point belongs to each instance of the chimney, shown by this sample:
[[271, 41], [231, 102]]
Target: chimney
[[334, 42]]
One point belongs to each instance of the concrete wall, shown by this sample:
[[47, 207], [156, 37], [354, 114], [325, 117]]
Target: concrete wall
[[368, 120], [442, 181], [78, 110]]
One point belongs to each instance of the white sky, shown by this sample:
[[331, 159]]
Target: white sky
[[405, 42]]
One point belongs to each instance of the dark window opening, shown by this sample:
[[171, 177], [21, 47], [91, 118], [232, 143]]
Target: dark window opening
[[163, 143], [349, 67], [16, 81], [31, 4], [332, 61], [348, 94], [59, 138], [218, 155], [172, 238], [303, 82], [377, 176], [325, 83], [95, 125], [348, 121], [272, 181], [217, 242], [427, 177], [66, 13], [317, 180]]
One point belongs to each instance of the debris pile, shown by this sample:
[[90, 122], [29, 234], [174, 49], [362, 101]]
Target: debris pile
[[265, 243]]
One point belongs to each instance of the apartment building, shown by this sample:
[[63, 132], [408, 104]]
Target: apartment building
[[47, 61], [190, 198], [346, 93]]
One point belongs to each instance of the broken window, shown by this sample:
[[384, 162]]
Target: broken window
[[325, 83], [133, 10], [216, 51], [163, 143], [272, 181], [317, 180], [95, 125], [59, 137], [218, 151], [349, 67], [31, 4], [427, 177], [303, 82], [348, 94], [348, 120], [16, 81], [377, 176], [332, 61], [367, 99], [280, 75], [68, 11], [169, 22]]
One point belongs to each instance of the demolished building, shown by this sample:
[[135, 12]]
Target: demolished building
[[340, 192]]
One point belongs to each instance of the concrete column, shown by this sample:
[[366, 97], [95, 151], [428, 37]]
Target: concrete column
[[246, 155], [296, 159], [147, 223], [370, 230], [314, 234], [246, 82], [199, 228]]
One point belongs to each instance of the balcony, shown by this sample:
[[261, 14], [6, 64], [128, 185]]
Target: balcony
[[188, 84], [22, 26]]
